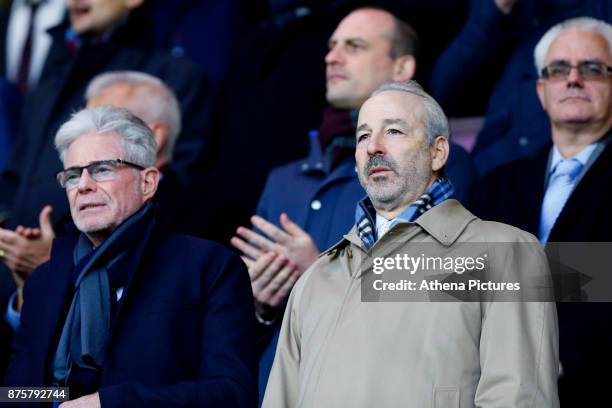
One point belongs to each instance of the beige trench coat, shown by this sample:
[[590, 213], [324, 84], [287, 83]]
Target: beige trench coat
[[337, 351]]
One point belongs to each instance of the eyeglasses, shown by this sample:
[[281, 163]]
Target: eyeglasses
[[588, 70], [100, 170]]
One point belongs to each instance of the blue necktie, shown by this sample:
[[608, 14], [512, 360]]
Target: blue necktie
[[560, 186]]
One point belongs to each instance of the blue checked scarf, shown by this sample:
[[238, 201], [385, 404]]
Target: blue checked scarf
[[365, 214]]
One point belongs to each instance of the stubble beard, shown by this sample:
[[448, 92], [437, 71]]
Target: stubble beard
[[405, 185]]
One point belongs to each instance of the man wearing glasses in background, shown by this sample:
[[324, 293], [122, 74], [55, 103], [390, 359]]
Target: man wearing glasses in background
[[123, 313], [562, 194]]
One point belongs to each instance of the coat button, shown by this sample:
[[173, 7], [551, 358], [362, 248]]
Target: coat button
[[315, 205]]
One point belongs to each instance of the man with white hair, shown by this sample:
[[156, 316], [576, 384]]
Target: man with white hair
[[145, 96], [342, 344], [112, 315], [560, 194], [151, 100]]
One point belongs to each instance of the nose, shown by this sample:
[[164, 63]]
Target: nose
[[86, 183], [574, 78], [376, 146], [334, 55]]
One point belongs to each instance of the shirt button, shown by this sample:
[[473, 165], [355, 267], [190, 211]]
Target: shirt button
[[523, 141], [315, 205]]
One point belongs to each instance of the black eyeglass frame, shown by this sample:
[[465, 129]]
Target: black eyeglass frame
[[60, 176], [581, 67]]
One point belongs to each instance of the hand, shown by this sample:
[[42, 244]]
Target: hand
[[272, 278], [292, 241], [505, 6], [88, 401], [26, 248]]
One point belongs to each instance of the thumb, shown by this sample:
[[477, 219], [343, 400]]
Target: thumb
[[291, 227], [44, 220]]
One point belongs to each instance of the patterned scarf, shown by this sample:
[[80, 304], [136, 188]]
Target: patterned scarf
[[365, 214]]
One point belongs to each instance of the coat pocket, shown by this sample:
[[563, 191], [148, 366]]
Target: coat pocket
[[446, 397]]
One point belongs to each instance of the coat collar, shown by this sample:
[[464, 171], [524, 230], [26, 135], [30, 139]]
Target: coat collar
[[445, 222]]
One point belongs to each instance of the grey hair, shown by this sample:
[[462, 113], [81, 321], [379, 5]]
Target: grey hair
[[579, 23], [137, 141], [436, 123], [153, 101]]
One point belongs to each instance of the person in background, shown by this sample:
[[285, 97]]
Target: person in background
[[557, 194]]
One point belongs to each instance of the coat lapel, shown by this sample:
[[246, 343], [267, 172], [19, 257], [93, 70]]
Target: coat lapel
[[57, 305], [593, 183]]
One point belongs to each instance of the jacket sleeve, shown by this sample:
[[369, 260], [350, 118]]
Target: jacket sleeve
[[476, 46], [21, 362], [6, 338], [227, 374], [519, 344], [283, 383]]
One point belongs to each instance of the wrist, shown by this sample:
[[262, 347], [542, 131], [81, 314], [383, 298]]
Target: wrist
[[265, 314]]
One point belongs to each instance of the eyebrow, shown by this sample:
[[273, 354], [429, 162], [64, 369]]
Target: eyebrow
[[363, 126], [350, 40], [565, 61]]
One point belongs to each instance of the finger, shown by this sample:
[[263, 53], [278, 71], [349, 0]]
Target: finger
[[281, 294], [44, 220], [270, 229], [32, 233], [291, 227], [269, 291], [20, 229], [257, 239], [246, 248], [261, 264], [268, 273], [7, 237], [247, 261]]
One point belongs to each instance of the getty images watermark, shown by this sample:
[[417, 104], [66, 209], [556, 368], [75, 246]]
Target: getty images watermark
[[503, 272]]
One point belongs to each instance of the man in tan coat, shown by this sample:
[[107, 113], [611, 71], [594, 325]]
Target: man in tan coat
[[343, 344]]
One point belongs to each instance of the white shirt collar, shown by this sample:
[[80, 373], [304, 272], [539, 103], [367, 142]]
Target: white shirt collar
[[582, 157]]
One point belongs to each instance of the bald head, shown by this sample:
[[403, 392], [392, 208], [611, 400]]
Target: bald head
[[370, 46]]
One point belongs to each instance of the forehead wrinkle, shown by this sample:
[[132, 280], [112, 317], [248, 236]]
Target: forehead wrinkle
[[395, 121]]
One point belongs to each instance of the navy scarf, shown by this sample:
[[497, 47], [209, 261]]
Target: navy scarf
[[97, 273]]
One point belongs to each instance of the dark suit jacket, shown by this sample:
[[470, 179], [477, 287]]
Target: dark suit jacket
[[182, 334], [5, 14], [513, 194], [6, 332]]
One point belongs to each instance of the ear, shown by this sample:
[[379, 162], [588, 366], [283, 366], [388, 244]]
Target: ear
[[404, 68], [160, 132], [150, 181], [132, 4], [439, 153], [540, 92]]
